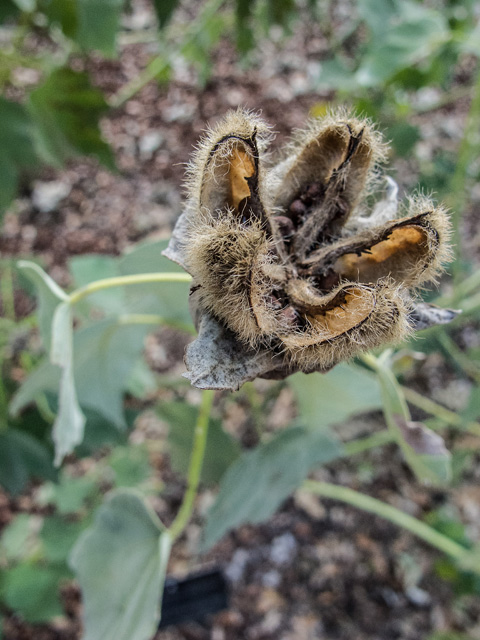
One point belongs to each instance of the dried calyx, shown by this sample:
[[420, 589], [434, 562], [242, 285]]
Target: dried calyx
[[288, 272]]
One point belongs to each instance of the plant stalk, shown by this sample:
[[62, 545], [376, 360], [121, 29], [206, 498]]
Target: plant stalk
[[458, 198], [122, 281], [386, 511], [195, 467]]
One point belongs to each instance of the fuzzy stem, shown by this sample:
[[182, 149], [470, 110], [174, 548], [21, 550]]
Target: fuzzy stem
[[195, 467], [122, 281], [386, 511]]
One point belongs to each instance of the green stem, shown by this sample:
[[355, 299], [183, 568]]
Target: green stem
[[458, 194], [460, 291], [149, 318], [122, 281], [386, 511], [359, 445], [460, 359], [442, 413], [195, 467], [426, 404]]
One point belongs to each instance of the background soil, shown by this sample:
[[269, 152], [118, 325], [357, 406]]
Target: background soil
[[317, 569]]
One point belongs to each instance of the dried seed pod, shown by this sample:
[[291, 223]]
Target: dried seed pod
[[287, 273]]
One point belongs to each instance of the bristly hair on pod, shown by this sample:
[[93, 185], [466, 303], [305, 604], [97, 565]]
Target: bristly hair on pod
[[288, 272]]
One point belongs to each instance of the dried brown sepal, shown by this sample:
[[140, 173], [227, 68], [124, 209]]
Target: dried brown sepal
[[281, 283]]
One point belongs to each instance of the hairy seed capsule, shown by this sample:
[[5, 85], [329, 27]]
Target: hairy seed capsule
[[278, 274]]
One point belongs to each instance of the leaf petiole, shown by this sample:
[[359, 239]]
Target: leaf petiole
[[122, 281]]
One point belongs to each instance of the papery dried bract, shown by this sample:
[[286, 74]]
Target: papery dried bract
[[283, 260]]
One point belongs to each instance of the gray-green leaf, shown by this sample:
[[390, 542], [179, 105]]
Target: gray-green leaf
[[70, 422], [120, 562], [328, 398], [49, 296], [260, 480]]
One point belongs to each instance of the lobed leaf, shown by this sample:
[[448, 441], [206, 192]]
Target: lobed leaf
[[120, 562]]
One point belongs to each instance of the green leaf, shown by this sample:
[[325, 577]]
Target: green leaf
[[412, 33], [26, 6], [32, 592], [472, 410], [336, 74], [98, 24], [58, 536], [105, 354], [280, 11], [327, 398], [120, 562], [63, 13], [67, 109], [244, 31], [70, 421], [89, 268], [45, 378], [100, 432], [404, 136], [49, 295], [70, 494], [8, 9], [377, 14], [17, 150], [221, 449], [18, 537], [22, 458], [8, 182], [130, 465], [164, 10], [260, 480], [168, 300], [16, 134]]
